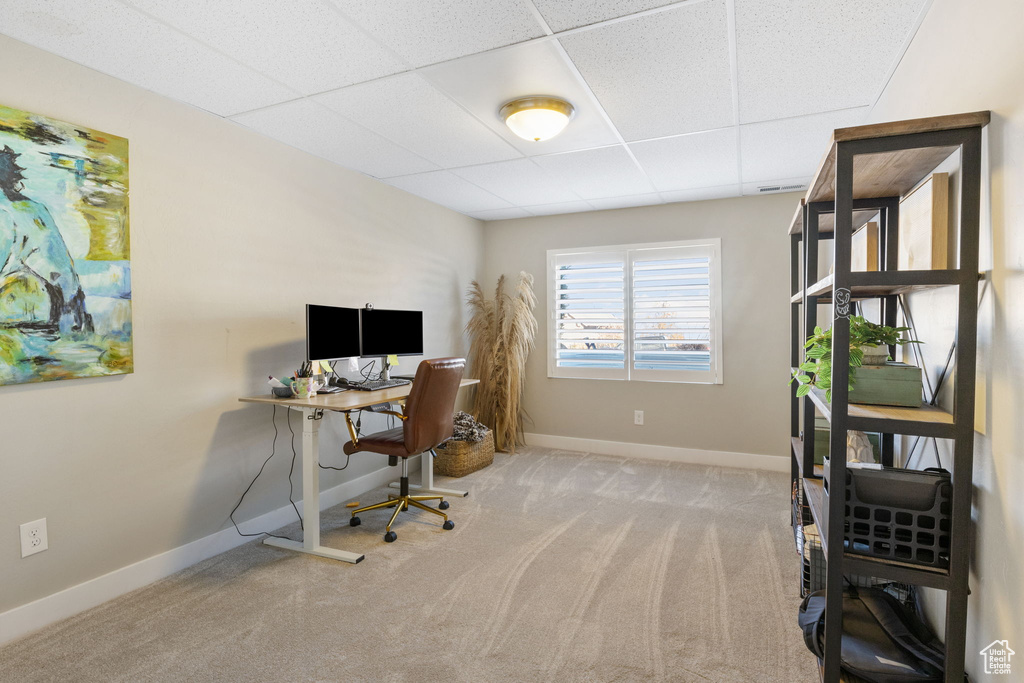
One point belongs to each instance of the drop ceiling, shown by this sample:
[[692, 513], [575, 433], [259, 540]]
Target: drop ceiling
[[676, 101]]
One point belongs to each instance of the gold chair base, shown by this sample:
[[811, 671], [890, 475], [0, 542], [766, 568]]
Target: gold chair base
[[401, 503]]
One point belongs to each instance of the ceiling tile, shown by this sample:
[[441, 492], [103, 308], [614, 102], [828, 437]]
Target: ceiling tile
[[663, 74], [790, 148], [520, 182], [501, 214], [605, 172], [411, 112], [119, 41], [562, 207], [694, 160], [806, 56], [315, 129], [430, 31], [305, 44], [562, 15], [484, 82], [446, 189], [700, 194], [626, 202]]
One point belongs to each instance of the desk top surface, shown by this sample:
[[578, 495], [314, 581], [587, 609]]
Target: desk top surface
[[344, 400]]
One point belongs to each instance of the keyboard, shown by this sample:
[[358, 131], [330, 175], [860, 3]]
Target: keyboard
[[376, 384]]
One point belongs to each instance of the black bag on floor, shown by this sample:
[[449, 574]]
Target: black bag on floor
[[883, 641]]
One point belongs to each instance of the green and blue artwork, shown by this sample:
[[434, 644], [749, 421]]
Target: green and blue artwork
[[65, 275]]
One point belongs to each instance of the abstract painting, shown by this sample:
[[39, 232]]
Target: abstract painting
[[65, 275]]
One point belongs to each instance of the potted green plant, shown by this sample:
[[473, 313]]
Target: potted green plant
[[865, 336]]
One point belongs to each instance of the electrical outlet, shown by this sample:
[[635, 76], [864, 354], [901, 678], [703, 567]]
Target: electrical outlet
[[638, 417], [33, 537]]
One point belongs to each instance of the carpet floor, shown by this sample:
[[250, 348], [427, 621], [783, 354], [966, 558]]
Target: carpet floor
[[562, 566]]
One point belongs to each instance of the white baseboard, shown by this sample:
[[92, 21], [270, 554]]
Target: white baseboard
[[693, 456], [35, 615]]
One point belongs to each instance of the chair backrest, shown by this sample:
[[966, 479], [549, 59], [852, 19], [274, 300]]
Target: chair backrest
[[431, 403]]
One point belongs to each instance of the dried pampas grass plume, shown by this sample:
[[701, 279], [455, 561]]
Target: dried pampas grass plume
[[502, 333]]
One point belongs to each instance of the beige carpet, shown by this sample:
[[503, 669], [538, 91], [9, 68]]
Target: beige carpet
[[562, 566]]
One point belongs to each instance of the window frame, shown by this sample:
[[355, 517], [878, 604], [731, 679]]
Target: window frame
[[628, 254]]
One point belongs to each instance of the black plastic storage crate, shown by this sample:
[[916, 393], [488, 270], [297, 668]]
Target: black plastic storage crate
[[899, 514]]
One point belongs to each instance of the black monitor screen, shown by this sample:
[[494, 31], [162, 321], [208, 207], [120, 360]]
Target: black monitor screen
[[331, 332], [392, 332]]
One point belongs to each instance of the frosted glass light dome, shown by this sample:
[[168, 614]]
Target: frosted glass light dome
[[537, 118]]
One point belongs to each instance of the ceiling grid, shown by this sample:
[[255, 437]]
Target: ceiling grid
[[675, 101]]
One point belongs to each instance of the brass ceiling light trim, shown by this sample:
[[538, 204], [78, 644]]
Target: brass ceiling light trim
[[538, 117]]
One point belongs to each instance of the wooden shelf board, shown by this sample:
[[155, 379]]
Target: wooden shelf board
[[827, 221], [796, 226], [798, 453], [926, 413], [814, 494], [974, 119], [823, 290], [822, 286], [888, 174]]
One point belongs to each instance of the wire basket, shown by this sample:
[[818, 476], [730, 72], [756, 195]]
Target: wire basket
[[813, 570], [800, 514]]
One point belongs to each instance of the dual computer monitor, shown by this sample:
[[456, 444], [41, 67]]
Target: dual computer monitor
[[333, 332]]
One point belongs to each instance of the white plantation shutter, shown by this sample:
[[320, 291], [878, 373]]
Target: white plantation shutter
[[674, 316], [646, 312], [588, 314]]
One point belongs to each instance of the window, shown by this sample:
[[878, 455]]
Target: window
[[642, 312]]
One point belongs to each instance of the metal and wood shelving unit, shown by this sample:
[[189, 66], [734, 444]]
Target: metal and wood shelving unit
[[866, 172]]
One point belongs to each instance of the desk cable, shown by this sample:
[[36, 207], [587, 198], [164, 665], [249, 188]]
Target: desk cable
[[367, 375], [358, 426], [291, 488], [348, 458]]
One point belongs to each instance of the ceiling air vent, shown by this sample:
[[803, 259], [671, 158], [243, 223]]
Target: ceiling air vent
[[779, 188]]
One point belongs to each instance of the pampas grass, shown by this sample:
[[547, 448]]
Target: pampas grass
[[501, 333]]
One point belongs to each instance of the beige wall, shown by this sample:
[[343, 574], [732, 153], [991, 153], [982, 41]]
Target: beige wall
[[970, 56], [749, 412], [232, 234]]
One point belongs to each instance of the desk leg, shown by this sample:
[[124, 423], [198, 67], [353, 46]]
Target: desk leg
[[426, 484], [311, 496]]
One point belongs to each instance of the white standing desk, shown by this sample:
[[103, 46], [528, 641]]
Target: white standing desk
[[312, 410]]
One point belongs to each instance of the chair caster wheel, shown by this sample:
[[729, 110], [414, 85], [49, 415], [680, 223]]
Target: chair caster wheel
[[443, 505], [390, 537], [355, 521], [448, 525]]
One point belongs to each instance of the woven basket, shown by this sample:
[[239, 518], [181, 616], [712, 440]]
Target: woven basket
[[459, 458]]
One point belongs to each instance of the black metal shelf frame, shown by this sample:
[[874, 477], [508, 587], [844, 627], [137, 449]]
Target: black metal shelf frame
[[804, 319]]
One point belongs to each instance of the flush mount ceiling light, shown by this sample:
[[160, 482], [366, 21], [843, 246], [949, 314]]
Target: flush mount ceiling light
[[537, 118]]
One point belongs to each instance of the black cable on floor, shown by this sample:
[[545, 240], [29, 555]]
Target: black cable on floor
[[273, 450]]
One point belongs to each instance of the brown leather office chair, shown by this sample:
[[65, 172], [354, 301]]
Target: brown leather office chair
[[426, 423]]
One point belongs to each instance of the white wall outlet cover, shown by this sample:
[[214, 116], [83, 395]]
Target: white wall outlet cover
[[33, 537], [638, 417]]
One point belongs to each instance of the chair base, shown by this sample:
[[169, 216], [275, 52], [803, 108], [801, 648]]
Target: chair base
[[402, 502]]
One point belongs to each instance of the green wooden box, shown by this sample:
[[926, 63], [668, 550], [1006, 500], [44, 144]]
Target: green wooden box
[[892, 384]]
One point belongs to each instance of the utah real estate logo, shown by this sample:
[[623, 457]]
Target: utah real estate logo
[[997, 657]]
